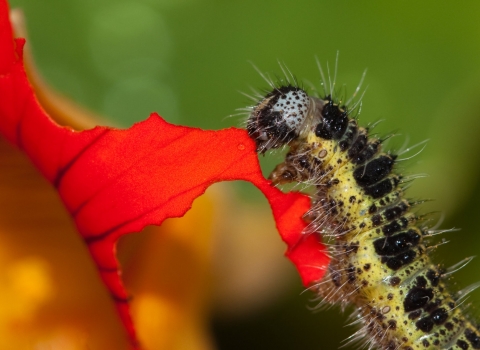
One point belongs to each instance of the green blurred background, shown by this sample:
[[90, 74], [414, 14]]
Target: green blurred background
[[188, 60]]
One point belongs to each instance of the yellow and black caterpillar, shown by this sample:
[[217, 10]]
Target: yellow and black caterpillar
[[379, 260]]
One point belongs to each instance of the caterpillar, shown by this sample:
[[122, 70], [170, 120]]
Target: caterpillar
[[379, 258]]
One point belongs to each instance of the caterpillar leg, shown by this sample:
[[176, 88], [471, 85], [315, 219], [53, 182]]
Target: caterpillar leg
[[285, 173]]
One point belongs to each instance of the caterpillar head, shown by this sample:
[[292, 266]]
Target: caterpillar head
[[278, 118]]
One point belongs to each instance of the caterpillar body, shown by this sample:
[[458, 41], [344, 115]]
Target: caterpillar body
[[380, 262]]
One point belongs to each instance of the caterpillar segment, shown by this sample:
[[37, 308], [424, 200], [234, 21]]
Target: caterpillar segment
[[379, 261]]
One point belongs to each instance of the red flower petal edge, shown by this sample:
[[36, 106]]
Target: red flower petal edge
[[115, 182]]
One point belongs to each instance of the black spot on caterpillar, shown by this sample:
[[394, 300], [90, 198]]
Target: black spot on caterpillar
[[379, 260]]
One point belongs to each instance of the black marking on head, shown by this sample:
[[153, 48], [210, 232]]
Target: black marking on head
[[275, 119]]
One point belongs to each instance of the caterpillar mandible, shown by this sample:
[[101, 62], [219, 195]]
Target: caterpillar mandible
[[379, 260]]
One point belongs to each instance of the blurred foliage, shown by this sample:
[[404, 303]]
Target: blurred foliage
[[188, 60]]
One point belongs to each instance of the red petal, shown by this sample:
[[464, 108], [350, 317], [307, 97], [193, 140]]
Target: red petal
[[115, 182]]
